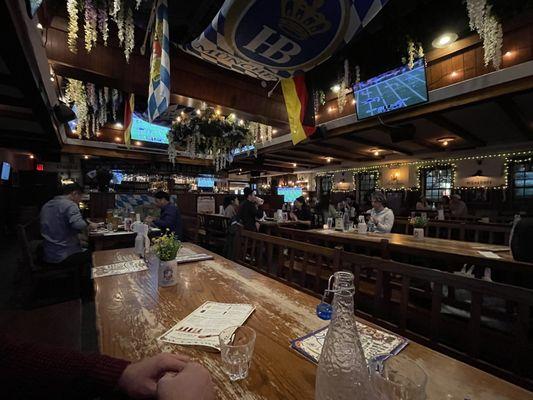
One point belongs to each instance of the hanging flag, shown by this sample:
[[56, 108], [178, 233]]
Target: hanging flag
[[273, 39], [159, 90], [129, 106], [299, 104]]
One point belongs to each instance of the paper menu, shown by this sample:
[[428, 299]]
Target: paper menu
[[489, 254], [120, 268], [375, 342], [203, 325]]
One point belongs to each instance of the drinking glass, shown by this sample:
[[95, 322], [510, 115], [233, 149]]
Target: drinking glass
[[398, 379], [330, 223], [236, 348]]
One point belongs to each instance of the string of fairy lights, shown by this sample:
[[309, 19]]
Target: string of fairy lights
[[509, 158]]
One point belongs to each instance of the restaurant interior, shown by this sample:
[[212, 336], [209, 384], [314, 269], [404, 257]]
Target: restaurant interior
[[282, 199]]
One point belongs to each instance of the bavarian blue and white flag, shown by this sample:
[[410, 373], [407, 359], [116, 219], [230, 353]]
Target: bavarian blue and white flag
[[273, 39], [159, 90]]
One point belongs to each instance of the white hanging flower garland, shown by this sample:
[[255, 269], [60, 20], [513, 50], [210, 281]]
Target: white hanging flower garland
[[129, 32], [489, 29], [91, 23], [72, 35]]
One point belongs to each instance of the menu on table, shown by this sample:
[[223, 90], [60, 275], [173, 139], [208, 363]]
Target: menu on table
[[375, 342], [203, 325], [120, 268]]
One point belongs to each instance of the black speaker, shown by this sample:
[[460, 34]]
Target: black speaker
[[63, 113]]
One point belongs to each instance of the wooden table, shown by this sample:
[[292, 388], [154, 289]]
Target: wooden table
[[267, 226], [465, 251], [132, 312]]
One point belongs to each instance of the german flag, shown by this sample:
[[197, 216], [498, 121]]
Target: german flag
[[129, 106], [300, 107]]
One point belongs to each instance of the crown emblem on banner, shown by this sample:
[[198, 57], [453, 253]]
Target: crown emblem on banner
[[300, 19]]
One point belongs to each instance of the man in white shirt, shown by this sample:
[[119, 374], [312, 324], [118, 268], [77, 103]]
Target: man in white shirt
[[381, 216]]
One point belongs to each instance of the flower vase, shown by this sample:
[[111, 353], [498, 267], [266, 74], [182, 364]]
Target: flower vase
[[168, 273], [418, 233]]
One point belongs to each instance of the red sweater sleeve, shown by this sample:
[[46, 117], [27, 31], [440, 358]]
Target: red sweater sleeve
[[29, 369]]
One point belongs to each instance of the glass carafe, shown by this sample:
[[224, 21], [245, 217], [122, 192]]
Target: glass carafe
[[342, 372]]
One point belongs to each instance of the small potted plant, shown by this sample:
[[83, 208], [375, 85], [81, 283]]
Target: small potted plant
[[166, 249], [419, 223]]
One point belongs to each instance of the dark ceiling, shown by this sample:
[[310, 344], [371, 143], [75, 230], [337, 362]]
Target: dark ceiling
[[383, 43]]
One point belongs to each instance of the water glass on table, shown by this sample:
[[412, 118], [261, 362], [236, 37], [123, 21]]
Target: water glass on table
[[398, 378], [236, 349]]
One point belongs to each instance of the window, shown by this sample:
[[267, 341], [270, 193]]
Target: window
[[522, 179], [324, 184], [366, 183], [436, 182]]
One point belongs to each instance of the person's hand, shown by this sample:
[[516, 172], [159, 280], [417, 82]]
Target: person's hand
[[192, 383], [259, 201], [148, 220], [139, 380], [293, 217], [374, 220]]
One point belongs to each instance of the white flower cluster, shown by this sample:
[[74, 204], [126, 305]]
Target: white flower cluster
[[72, 35], [341, 100], [483, 21]]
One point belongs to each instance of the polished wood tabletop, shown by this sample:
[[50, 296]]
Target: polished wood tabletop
[[452, 247], [132, 312]]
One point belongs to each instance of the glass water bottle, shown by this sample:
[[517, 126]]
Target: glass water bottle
[[342, 369]]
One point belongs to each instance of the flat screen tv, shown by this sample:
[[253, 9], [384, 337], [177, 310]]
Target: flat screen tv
[[147, 132], [6, 171], [290, 193], [205, 182], [393, 90]]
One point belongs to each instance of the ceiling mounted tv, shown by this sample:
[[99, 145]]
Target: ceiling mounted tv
[[393, 90], [290, 193], [205, 182], [147, 132]]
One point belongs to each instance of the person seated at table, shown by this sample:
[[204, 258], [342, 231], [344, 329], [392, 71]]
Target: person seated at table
[[327, 209], [444, 203], [520, 241], [36, 371], [61, 223], [422, 204], [170, 218], [231, 206], [380, 216], [301, 212], [458, 207], [250, 210]]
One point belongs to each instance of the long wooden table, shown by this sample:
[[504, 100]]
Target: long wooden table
[[132, 312], [465, 251]]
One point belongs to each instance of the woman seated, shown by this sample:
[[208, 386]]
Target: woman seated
[[327, 209], [380, 216], [231, 205], [301, 211], [422, 204]]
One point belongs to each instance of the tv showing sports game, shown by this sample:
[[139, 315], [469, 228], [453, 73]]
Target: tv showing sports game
[[205, 182], [6, 171], [290, 193], [147, 132], [393, 90]]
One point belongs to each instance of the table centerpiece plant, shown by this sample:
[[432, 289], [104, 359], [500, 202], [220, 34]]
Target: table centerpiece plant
[[166, 248], [419, 223]]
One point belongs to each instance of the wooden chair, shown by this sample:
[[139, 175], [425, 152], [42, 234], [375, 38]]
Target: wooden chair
[[486, 324], [216, 230], [201, 229], [38, 274], [302, 265]]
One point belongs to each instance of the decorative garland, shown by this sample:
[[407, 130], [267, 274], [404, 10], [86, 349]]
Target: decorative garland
[[91, 105], [489, 29], [209, 134], [96, 14]]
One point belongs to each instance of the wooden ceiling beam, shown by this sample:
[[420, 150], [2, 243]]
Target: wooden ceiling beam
[[379, 145], [515, 115], [299, 156], [192, 78], [291, 160], [342, 148], [455, 129], [328, 151]]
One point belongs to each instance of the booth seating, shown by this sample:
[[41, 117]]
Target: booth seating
[[46, 283], [485, 324]]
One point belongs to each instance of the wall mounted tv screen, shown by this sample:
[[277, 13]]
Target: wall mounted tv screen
[[147, 132], [6, 171], [393, 90], [205, 182], [290, 193]]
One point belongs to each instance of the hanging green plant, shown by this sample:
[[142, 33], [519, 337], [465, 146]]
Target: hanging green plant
[[209, 134]]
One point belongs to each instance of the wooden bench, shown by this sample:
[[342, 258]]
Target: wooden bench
[[488, 325]]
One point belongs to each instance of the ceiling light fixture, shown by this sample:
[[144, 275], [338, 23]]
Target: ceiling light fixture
[[274, 131], [445, 141], [40, 26], [32, 156], [52, 78], [444, 40], [86, 157], [117, 138], [336, 88], [119, 125], [294, 164], [508, 54], [137, 143], [330, 109], [328, 159], [375, 152], [454, 74]]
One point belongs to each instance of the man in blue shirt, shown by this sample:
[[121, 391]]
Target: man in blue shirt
[[61, 222], [170, 217]]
